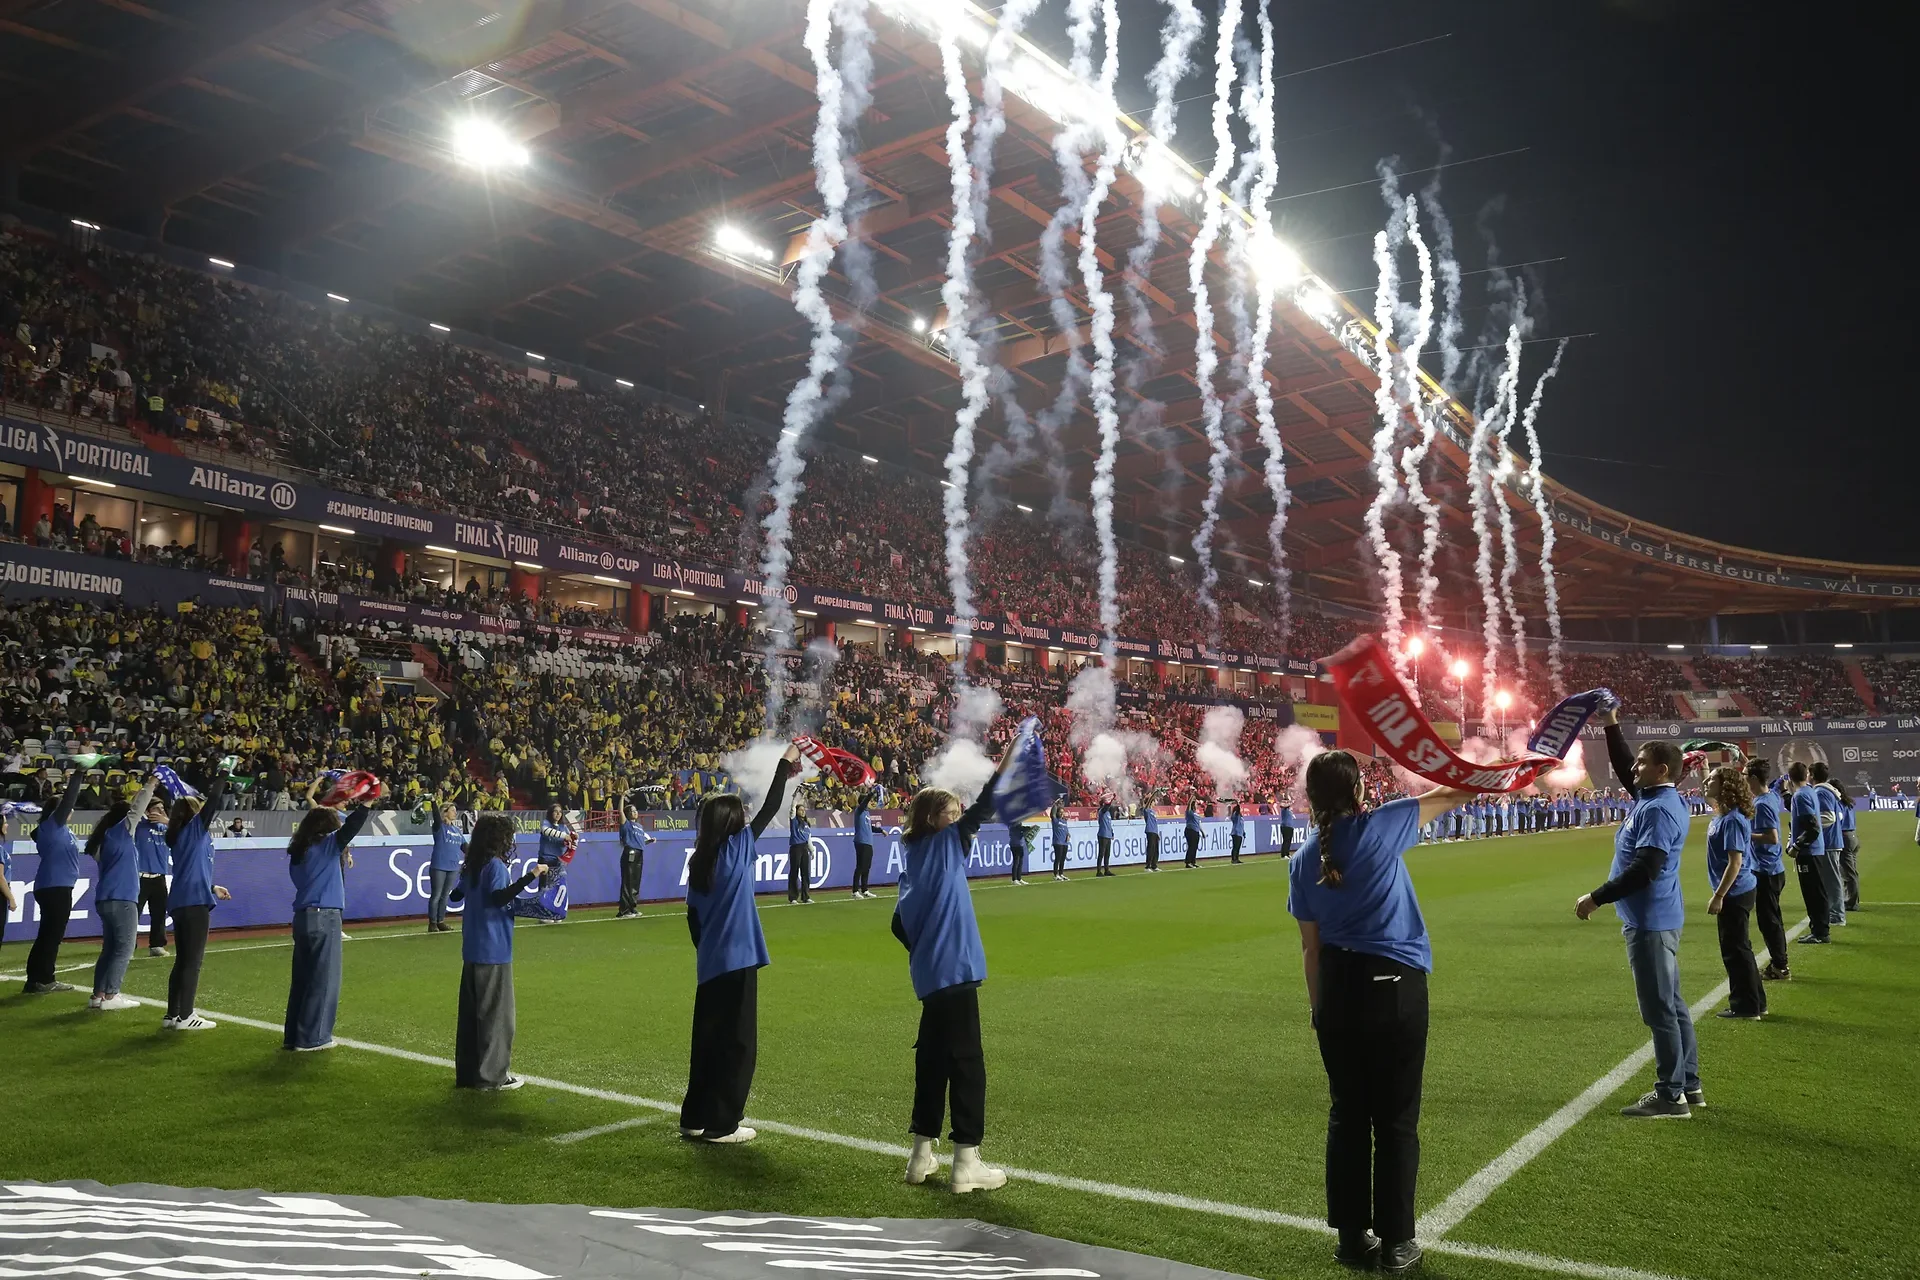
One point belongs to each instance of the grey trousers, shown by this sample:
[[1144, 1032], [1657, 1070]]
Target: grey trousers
[[483, 1036], [313, 997], [1850, 870], [119, 925], [1829, 871]]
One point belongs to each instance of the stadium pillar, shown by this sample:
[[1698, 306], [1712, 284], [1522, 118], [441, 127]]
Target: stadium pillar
[[393, 558], [979, 651], [523, 582], [738, 616], [1160, 674], [1043, 657], [236, 535], [36, 500], [902, 639], [831, 632], [639, 609], [1713, 631]]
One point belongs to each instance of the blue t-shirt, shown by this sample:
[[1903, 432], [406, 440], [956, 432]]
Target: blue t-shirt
[[1846, 819], [1374, 910], [862, 826], [1829, 817], [1060, 836], [1193, 819], [1105, 831], [798, 832], [318, 878], [1809, 841], [1766, 826], [486, 931], [634, 835], [727, 928], [1153, 821], [1239, 828], [936, 911], [1659, 820], [1728, 834], [150, 839], [192, 865], [119, 866], [59, 856], [449, 845], [553, 843]]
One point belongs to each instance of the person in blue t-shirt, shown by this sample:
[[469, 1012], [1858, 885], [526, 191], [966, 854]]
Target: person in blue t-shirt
[[1019, 849], [191, 899], [799, 854], [443, 865], [116, 897], [1644, 888], [1831, 835], [53, 889], [1769, 872], [1103, 838], [1237, 829], [484, 1025], [1848, 863], [634, 839], [863, 844], [317, 863], [7, 903], [155, 861], [1152, 821], [1062, 838], [1192, 825], [556, 836], [1807, 839], [729, 952], [1364, 947], [934, 921], [1735, 886]]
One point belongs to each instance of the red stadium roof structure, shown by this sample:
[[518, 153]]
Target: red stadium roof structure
[[313, 137]]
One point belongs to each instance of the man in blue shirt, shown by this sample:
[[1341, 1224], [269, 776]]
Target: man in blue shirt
[[1833, 835], [1809, 852], [1769, 873], [1644, 888]]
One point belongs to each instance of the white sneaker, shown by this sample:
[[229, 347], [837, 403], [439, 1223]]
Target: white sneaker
[[94, 1001], [168, 1023], [511, 1082], [691, 1135], [922, 1164], [193, 1022], [971, 1174], [738, 1136], [114, 1003], [158, 953], [315, 1048]]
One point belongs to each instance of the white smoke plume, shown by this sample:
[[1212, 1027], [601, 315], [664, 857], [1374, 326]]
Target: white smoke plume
[[1386, 299], [1273, 269], [1428, 416], [808, 400], [1106, 410], [1548, 578], [1205, 355], [1090, 703], [1294, 746], [1505, 410], [1108, 761], [1483, 563], [963, 765], [751, 768], [1218, 751]]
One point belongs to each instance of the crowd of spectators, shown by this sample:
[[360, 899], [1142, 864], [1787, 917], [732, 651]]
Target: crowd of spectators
[[1645, 684], [1896, 683], [1797, 685]]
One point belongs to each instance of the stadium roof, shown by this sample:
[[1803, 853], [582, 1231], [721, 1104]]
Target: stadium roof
[[313, 137]]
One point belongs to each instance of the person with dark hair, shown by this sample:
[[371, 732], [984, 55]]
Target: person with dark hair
[[1364, 948], [1832, 838], [934, 920], [1019, 848], [1729, 871], [1103, 838], [192, 898], [1849, 860], [1062, 838], [484, 1025], [556, 835], [863, 844], [799, 854], [1809, 853], [1644, 888], [53, 889], [634, 839], [1238, 829], [1192, 826], [116, 897], [150, 844], [1152, 819], [1769, 874], [729, 951], [317, 863], [443, 865]]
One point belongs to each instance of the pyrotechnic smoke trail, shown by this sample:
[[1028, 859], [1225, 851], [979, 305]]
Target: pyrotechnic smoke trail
[[1386, 302], [1505, 410], [1177, 36], [1428, 417], [1479, 491], [807, 400], [1548, 578], [1272, 267], [1105, 410], [1448, 268], [1205, 357]]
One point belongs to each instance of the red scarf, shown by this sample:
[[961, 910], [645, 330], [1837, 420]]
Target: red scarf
[[1370, 688]]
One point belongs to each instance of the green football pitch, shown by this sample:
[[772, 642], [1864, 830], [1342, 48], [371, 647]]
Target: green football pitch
[[1153, 1081]]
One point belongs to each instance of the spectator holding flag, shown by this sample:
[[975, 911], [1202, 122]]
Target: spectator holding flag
[[150, 841], [863, 842], [116, 897], [193, 895], [634, 839], [1062, 838], [53, 889], [799, 854], [484, 1026]]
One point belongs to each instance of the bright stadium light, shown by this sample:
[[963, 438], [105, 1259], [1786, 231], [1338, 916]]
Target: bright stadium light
[[919, 324], [622, 382], [436, 325], [338, 297], [1460, 668], [1256, 582], [1676, 646], [1756, 648], [601, 577], [1024, 507], [1275, 266], [676, 591], [1159, 169], [528, 564], [1416, 646], [1843, 646], [103, 484], [1503, 699], [732, 240], [484, 144], [867, 457], [221, 263], [445, 551], [1176, 559], [1318, 303], [337, 528], [535, 355]]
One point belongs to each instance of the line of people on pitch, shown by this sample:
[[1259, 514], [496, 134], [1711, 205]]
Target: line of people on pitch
[[1489, 816]]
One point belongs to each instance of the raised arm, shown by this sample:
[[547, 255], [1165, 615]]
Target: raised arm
[[783, 769], [210, 809], [982, 807], [1443, 800], [64, 810], [1618, 755], [350, 826], [140, 803]]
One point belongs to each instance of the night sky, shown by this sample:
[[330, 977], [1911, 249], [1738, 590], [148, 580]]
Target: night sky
[[1715, 183]]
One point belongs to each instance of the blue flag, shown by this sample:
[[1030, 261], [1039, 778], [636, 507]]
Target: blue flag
[[175, 785], [1559, 728], [1025, 788]]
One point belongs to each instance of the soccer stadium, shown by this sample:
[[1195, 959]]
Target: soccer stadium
[[549, 491]]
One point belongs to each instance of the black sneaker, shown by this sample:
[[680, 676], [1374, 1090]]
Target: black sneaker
[[1815, 942], [1744, 1017], [1696, 1097], [1771, 974], [1358, 1249], [1398, 1259], [1654, 1107]]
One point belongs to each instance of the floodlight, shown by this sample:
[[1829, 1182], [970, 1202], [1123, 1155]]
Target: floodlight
[[484, 144]]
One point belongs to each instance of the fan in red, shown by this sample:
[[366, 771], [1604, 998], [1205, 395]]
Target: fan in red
[[845, 766]]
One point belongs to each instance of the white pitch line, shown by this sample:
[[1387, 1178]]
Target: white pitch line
[[1109, 1190], [1474, 1192], [581, 1135]]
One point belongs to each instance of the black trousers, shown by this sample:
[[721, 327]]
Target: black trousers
[[1017, 854], [190, 951], [1153, 850], [153, 900], [1193, 848], [1059, 859], [1103, 857], [632, 863], [1766, 914], [1237, 840], [1286, 840], [949, 1067], [1372, 1025], [1813, 892], [1745, 994], [862, 866], [726, 1043], [799, 873], [56, 908]]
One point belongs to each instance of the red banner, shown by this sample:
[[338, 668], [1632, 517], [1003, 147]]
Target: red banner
[[1371, 689]]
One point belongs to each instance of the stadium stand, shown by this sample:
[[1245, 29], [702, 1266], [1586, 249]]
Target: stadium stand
[[1800, 685]]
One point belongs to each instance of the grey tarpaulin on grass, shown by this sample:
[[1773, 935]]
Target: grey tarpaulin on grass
[[55, 1228]]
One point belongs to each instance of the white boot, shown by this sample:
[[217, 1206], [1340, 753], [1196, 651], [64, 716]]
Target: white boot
[[922, 1163], [970, 1174]]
